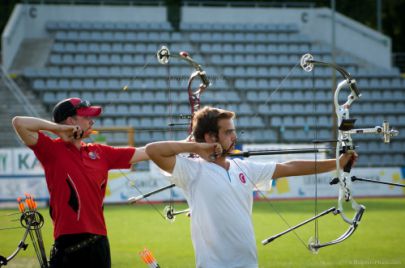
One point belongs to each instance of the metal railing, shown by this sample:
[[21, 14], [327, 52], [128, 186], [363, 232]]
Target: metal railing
[[308, 4], [98, 2], [18, 94]]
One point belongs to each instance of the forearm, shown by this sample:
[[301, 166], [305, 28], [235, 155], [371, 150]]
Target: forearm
[[164, 153], [27, 128], [170, 148], [34, 124], [307, 167], [303, 167]]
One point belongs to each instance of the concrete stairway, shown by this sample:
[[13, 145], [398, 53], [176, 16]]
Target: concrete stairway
[[11, 106]]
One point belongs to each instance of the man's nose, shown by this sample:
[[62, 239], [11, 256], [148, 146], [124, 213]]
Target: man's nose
[[235, 138]]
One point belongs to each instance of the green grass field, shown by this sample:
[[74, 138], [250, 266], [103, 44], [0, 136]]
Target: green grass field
[[379, 240]]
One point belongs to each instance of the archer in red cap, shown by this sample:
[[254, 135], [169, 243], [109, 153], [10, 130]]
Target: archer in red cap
[[76, 175]]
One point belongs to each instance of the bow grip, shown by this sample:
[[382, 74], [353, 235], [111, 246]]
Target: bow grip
[[348, 166]]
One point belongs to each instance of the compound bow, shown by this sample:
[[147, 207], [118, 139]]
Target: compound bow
[[344, 144], [163, 56], [32, 221]]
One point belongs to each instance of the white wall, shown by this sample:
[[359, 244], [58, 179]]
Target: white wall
[[351, 36], [13, 35]]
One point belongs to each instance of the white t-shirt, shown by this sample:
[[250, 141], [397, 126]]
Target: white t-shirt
[[221, 204]]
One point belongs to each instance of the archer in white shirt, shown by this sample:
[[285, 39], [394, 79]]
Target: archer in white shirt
[[219, 190]]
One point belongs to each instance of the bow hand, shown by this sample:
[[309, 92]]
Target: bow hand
[[347, 160]]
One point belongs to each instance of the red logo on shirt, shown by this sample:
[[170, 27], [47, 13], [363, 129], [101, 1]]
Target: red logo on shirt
[[242, 178]]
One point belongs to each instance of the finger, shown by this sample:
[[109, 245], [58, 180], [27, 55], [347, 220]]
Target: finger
[[77, 132], [218, 148]]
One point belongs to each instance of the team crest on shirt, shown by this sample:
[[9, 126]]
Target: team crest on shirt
[[93, 155], [242, 178]]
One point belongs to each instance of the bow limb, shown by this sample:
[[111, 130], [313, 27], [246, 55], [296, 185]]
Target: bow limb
[[314, 246], [163, 56], [21, 246]]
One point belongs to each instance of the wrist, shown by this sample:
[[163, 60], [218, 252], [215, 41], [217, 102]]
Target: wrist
[[192, 147]]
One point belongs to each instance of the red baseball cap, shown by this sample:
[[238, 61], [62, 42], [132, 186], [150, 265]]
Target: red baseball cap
[[74, 106]]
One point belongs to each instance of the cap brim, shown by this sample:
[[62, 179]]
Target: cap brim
[[89, 111]]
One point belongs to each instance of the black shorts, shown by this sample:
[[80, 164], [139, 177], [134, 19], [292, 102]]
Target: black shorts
[[81, 250]]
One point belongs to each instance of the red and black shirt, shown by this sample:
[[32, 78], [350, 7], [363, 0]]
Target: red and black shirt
[[77, 181]]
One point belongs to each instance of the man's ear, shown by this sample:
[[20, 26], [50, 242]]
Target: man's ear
[[68, 121], [210, 137]]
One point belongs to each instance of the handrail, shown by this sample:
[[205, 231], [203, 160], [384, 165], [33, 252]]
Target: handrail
[[18, 94], [184, 3], [130, 132], [97, 2]]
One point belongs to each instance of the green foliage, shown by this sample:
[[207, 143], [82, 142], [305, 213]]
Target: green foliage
[[378, 240]]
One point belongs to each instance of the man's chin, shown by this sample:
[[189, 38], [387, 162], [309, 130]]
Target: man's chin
[[228, 150]]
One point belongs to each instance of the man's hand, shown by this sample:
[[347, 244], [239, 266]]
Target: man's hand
[[209, 151], [349, 157], [69, 133]]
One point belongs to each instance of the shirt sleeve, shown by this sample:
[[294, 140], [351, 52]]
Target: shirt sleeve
[[185, 171], [261, 173], [118, 157], [43, 149]]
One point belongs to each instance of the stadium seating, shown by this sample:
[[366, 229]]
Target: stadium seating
[[254, 69]]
